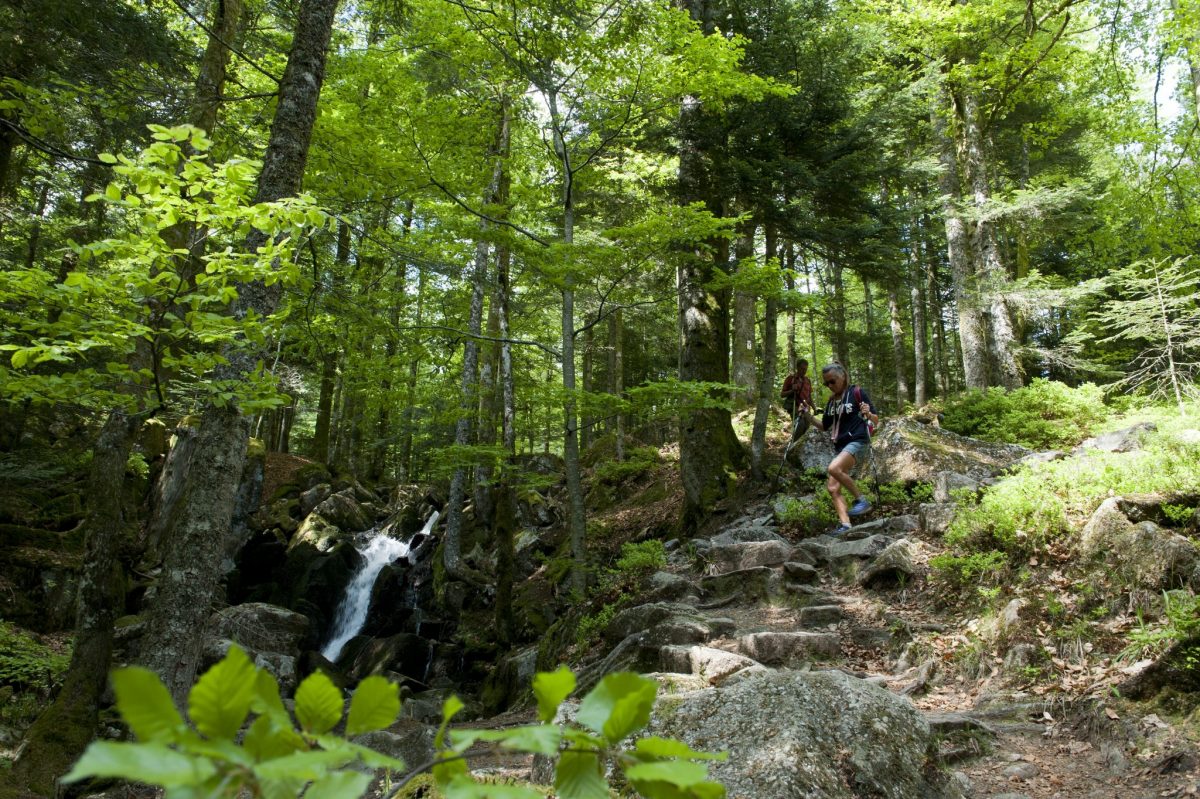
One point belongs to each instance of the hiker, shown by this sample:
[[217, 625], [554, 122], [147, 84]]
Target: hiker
[[797, 391], [846, 417]]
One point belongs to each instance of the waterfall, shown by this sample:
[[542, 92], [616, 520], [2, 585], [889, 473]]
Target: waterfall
[[379, 551]]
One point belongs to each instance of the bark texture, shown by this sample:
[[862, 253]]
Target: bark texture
[[64, 729]]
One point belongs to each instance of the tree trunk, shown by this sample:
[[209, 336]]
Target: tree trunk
[[921, 393], [990, 272], [616, 376], [971, 326], [744, 308], [452, 546], [586, 432], [64, 729], [790, 284], [186, 588], [508, 414], [766, 385], [898, 346], [869, 317], [838, 340]]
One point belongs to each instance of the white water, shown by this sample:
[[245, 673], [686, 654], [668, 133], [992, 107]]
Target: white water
[[379, 551]]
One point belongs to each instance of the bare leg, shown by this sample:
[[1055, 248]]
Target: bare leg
[[839, 475]]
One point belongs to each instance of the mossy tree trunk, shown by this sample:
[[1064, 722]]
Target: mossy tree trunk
[[63, 730]]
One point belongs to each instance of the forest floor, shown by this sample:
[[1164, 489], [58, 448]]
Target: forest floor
[[1058, 731]]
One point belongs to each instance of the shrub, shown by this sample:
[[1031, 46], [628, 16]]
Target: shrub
[[1043, 415], [963, 570], [637, 461], [1181, 619], [27, 664], [1177, 515], [806, 515], [642, 558], [284, 754]]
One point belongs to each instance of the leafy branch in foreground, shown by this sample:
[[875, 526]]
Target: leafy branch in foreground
[[279, 758]]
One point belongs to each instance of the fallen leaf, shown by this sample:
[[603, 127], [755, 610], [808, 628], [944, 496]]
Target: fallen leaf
[[1112, 714]]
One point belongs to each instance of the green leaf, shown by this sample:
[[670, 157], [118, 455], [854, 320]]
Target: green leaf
[[578, 776], [113, 192], [279, 788], [541, 739], [266, 695], [311, 765], [449, 708], [655, 747], [268, 739], [107, 158], [374, 706], [343, 785], [619, 705], [677, 772], [369, 757], [220, 699], [152, 763], [146, 705], [551, 688], [318, 703]]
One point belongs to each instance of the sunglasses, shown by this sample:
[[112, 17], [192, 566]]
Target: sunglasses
[[831, 383]]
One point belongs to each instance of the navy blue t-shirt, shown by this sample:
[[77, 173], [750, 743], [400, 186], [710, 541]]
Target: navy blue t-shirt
[[852, 426]]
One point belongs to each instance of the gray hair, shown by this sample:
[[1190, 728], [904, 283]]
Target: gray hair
[[833, 367]]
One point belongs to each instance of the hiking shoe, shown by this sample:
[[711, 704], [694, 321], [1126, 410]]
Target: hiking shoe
[[841, 529], [860, 506]]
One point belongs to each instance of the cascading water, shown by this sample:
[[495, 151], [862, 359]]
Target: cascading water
[[379, 551]]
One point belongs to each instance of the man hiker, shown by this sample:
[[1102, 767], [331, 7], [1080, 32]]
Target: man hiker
[[797, 390], [846, 418]]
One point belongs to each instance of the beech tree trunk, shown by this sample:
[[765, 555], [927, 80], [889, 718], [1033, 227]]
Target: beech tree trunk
[[744, 307], [790, 285], [64, 729], [616, 375], [990, 273], [971, 326], [452, 546], [766, 385], [188, 583], [898, 349]]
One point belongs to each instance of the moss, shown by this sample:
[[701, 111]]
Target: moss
[[256, 449]]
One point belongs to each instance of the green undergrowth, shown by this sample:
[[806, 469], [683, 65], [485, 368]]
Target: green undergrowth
[[617, 585], [30, 672], [1043, 415]]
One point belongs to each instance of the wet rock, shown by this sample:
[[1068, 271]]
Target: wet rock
[[1127, 440], [406, 654], [789, 649], [713, 665], [794, 734], [907, 451], [894, 566]]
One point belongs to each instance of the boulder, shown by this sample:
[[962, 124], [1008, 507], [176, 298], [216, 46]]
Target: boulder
[[668, 587], [313, 497], [847, 553], [344, 511], [1144, 555], [792, 734], [821, 615], [748, 585], [936, 517], [891, 525], [789, 648], [510, 680], [406, 654], [666, 623], [280, 666], [945, 484], [748, 555], [262, 627], [713, 665], [801, 573], [1127, 440], [905, 450], [813, 451], [407, 739], [893, 566]]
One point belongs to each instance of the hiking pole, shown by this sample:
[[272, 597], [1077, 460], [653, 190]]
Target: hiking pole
[[788, 449], [871, 458]]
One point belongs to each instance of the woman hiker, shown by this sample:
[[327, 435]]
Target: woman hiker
[[846, 417]]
